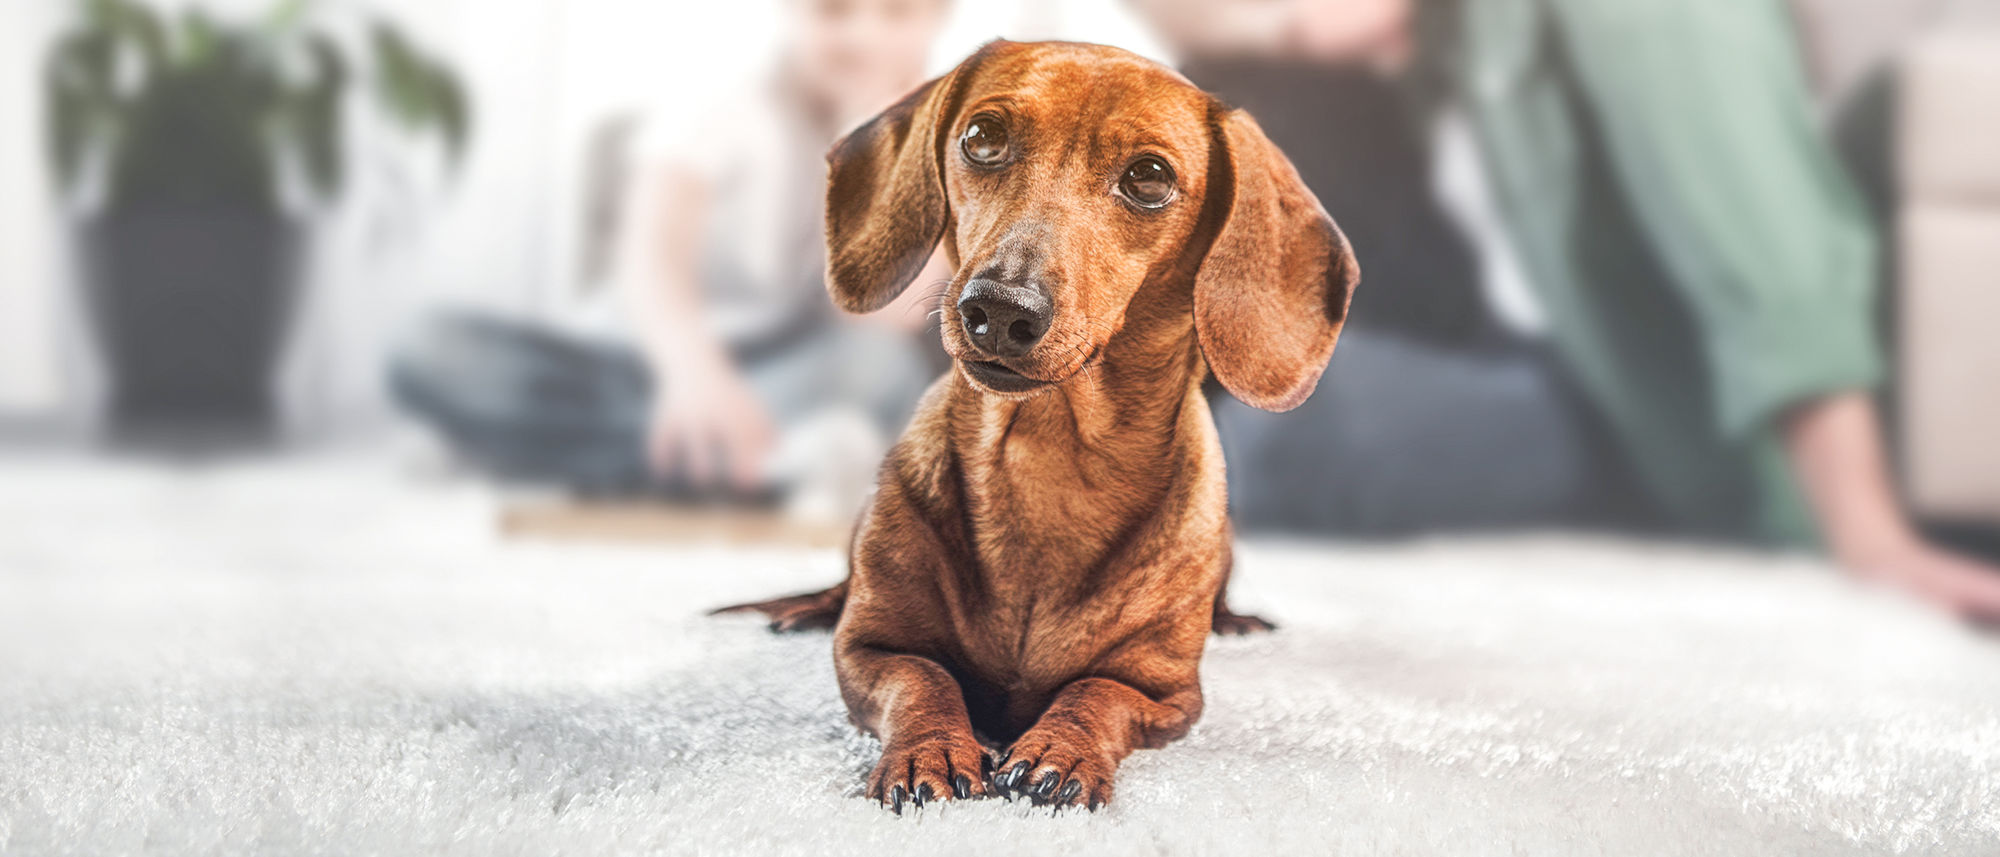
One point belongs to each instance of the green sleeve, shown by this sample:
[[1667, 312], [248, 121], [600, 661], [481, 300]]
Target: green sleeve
[[1709, 128]]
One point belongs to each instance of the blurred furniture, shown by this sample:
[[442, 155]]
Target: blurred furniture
[[1943, 198], [1845, 42], [1948, 295]]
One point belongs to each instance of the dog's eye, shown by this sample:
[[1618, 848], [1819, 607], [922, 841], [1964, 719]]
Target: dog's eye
[[985, 140], [1148, 182]]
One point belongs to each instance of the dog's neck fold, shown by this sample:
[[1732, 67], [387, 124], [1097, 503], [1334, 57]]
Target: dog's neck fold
[[1091, 459]]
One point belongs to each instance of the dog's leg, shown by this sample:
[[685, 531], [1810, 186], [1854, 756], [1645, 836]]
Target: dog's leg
[[1227, 622], [807, 612], [918, 710], [1070, 755]]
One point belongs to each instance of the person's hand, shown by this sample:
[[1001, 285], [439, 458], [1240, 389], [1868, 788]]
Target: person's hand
[[709, 428], [1963, 586], [1837, 452]]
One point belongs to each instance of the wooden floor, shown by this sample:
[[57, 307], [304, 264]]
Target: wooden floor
[[585, 520]]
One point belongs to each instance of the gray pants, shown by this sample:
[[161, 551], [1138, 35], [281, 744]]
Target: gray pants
[[1404, 437], [527, 403]]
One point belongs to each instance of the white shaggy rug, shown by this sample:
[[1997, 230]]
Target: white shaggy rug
[[320, 657]]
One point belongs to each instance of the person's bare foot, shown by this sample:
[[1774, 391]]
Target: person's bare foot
[[1966, 587]]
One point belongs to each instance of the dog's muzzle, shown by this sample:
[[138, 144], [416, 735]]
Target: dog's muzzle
[[1002, 321]]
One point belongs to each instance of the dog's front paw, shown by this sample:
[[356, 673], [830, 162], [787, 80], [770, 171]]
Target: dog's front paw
[[1056, 767], [927, 769]]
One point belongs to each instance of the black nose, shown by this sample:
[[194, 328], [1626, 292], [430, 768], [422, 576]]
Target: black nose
[[1003, 319]]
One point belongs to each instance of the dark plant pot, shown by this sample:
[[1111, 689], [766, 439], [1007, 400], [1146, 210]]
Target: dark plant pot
[[191, 305]]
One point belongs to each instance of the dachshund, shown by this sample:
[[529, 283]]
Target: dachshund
[[1046, 551]]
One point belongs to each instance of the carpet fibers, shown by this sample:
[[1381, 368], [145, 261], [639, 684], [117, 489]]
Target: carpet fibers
[[321, 657]]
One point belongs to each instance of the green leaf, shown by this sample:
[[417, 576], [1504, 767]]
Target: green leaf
[[314, 119], [139, 24], [81, 105], [286, 16], [218, 107], [419, 93], [199, 37], [454, 113]]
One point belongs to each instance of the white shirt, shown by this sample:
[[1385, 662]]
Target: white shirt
[[1459, 183]]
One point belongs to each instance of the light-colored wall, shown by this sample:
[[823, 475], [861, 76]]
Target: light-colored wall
[[501, 235], [479, 236], [30, 373]]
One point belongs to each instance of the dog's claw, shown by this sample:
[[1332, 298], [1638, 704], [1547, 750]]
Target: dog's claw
[[1047, 785], [931, 770], [1058, 766]]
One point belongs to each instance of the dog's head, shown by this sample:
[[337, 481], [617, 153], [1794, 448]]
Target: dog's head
[[1068, 179]]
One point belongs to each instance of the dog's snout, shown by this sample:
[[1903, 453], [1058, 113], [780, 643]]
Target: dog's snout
[[1003, 319]]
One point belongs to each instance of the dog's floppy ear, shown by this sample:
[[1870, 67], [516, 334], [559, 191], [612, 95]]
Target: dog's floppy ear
[[1272, 292], [885, 202]]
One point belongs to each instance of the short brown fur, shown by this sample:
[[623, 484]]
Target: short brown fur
[[1042, 569]]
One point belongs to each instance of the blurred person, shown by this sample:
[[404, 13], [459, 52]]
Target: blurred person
[[717, 341], [1657, 224]]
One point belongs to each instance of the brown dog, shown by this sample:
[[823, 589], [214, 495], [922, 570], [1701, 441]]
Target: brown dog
[[1045, 554]]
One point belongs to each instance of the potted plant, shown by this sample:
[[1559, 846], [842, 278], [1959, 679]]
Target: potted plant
[[191, 153]]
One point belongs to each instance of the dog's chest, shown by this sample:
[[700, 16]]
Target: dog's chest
[[1045, 505], [1051, 602]]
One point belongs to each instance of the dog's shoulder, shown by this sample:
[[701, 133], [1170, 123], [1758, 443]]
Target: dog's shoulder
[[922, 477]]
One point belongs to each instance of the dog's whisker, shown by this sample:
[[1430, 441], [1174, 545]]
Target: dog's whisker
[[1076, 356], [931, 295]]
